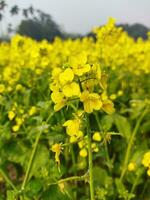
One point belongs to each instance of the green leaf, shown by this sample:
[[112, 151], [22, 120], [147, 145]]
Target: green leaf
[[33, 187], [40, 160], [107, 122], [120, 186], [16, 152], [54, 193], [123, 126], [145, 128], [122, 191], [101, 177]]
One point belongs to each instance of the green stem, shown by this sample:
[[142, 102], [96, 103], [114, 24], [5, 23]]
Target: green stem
[[73, 159], [90, 157], [33, 155], [109, 165], [31, 160], [128, 151], [97, 120], [72, 178], [105, 144], [74, 169], [7, 179]]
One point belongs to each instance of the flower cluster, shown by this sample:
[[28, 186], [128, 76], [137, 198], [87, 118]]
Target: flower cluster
[[146, 162], [82, 80]]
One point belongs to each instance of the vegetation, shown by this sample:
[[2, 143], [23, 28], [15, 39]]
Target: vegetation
[[74, 117]]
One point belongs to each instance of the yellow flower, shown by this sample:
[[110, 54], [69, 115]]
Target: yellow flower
[[79, 64], [11, 115], [146, 162], [120, 93], [72, 127], [59, 105], [80, 113], [104, 96], [80, 70], [15, 128], [97, 136], [148, 172], [54, 86], [108, 106], [9, 89], [79, 134], [19, 121], [55, 73], [81, 144], [94, 147], [103, 81], [146, 159], [97, 70], [2, 88], [83, 152], [113, 96], [73, 139], [38, 71], [57, 96], [66, 77], [131, 166], [19, 87], [57, 148], [72, 89], [91, 101], [21, 110], [32, 110], [58, 99]]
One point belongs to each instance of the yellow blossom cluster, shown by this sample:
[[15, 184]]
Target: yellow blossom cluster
[[146, 162], [131, 166], [18, 116], [73, 60], [83, 144], [78, 79]]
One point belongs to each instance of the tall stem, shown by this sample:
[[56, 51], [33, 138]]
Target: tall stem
[[128, 151], [31, 160], [90, 158], [33, 155], [105, 144]]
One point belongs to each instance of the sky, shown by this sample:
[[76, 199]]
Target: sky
[[80, 16]]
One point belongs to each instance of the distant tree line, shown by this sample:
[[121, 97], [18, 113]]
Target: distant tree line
[[136, 30], [39, 25]]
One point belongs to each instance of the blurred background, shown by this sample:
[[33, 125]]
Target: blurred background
[[47, 19]]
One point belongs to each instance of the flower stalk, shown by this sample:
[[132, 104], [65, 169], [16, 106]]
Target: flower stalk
[[129, 147], [90, 158]]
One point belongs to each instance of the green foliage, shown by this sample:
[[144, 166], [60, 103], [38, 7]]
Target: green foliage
[[123, 126], [41, 27]]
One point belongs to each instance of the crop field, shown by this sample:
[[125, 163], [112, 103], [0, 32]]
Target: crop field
[[75, 117]]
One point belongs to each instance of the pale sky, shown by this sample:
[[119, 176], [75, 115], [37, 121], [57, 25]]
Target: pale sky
[[79, 16]]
